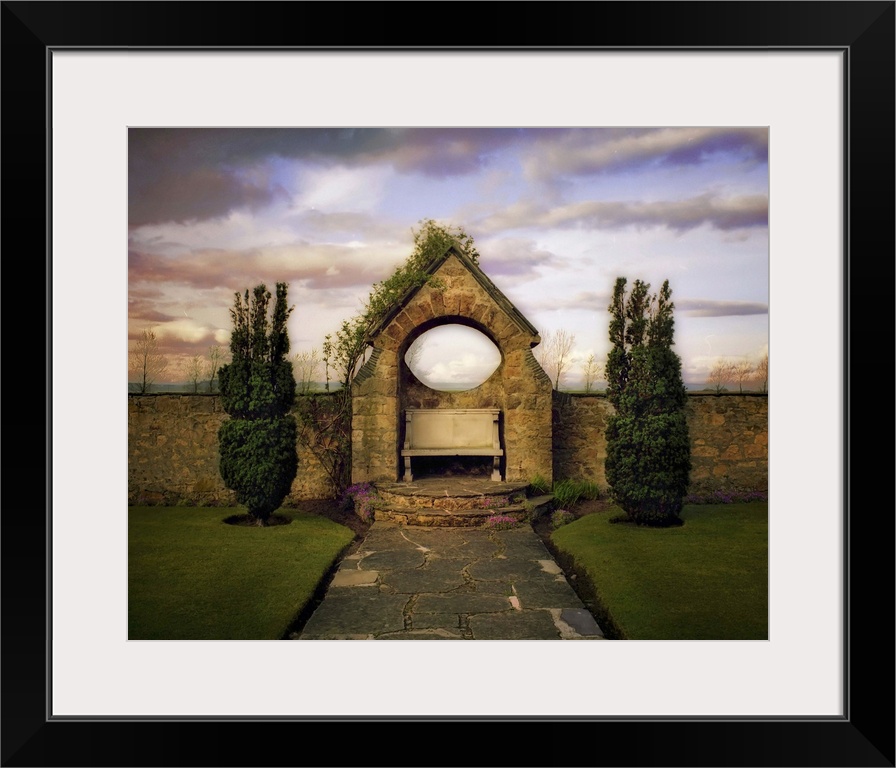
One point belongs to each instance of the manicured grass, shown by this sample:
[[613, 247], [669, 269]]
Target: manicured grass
[[193, 577], [705, 580]]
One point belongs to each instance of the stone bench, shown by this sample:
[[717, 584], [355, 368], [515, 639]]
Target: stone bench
[[452, 432]]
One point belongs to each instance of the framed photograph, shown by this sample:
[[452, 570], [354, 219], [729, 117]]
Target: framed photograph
[[818, 75]]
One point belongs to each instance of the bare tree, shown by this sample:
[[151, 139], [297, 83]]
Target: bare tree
[[591, 371], [306, 366], [554, 354], [195, 370], [741, 371], [146, 362], [720, 374], [215, 360], [760, 373]]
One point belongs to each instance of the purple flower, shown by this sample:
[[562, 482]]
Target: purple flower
[[363, 497], [500, 522]]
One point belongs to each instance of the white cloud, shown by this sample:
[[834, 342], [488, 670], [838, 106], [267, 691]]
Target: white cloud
[[183, 329], [554, 249], [467, 369], [340, 188], [585, 152]]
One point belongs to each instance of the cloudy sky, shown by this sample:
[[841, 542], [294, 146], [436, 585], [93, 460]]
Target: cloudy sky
[[556, 214]]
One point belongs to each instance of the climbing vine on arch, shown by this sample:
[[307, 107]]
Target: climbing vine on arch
[[326, 418]]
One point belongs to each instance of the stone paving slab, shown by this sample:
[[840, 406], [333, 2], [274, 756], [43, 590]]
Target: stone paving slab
[[523, 541], [453, 539], [414, 583], [547, 594], [474, 549], [515, 625], [352, 577], [505, 569], [386, 538], [450, 622], [497, 587], [581, 621], [422, 580], [423, 634], [458, 603], [412, 558], [356, 612]]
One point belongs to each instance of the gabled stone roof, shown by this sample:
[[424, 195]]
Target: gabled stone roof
[[490, 288]]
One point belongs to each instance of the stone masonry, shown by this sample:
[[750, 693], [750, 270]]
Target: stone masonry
[[729, 440], [173, 453], [459, 293], [173, 446]]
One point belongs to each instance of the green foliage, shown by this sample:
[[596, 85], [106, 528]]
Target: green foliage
[[258, 461], [590, 490], [569, 492], [431, 241], [538, 484], [561, 517], [648, 446], [258, 443], [344, 353], [258, 383]]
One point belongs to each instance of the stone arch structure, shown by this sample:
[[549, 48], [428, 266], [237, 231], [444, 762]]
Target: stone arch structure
[[385, 387]]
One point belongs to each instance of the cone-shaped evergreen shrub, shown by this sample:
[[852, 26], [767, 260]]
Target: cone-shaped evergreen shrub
[[258, 442], [648, 460]]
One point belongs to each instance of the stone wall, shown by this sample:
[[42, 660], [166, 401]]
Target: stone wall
[[173, 446], [729, 440], [173, 453]]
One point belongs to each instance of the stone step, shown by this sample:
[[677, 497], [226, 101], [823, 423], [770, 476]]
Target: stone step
[[456, 501], [541, 503], [448, 518], [409, 499], [463, 518]]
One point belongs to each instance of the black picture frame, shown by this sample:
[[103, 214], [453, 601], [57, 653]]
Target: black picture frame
[[864, 736]]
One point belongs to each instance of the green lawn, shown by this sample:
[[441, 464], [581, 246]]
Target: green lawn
[[705, 580], [192, 577]]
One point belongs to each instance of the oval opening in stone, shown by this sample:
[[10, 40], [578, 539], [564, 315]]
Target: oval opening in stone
[[452, 358]]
